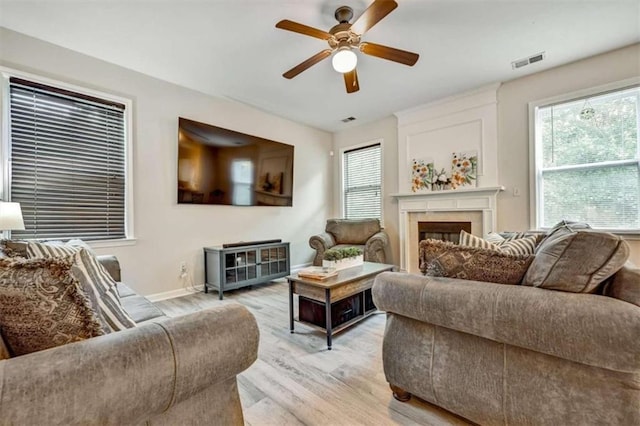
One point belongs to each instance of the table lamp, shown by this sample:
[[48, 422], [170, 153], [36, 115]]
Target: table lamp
[[10, 216]]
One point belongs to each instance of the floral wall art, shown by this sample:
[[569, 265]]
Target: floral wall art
[[421, 174], [464, 172], [464, 169]]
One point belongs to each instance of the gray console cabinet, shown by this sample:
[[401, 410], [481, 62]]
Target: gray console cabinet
[[229, 268]]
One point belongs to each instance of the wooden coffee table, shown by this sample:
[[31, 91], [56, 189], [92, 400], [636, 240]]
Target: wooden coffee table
[[348, 296]]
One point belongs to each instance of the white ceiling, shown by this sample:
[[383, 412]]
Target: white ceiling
[[231, 48]]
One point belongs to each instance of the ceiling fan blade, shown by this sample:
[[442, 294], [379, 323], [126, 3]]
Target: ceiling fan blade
[[351, 81], [389, 53], [307, 64], [374, 14], [285, 24]]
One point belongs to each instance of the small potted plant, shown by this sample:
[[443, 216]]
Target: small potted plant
[[342, 258]]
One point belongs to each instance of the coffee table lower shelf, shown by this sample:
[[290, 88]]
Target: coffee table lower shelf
[[344, 312], [342, 326]]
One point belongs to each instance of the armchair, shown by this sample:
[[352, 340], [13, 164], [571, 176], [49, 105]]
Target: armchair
[[365, 234]]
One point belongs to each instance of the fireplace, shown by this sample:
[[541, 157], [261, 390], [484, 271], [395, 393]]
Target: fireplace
[[445, 231], [452, 208]]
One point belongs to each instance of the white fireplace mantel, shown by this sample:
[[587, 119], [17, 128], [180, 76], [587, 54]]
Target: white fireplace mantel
[[483, 199]]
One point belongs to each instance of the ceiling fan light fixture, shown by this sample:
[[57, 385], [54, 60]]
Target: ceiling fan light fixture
[[344, 60]]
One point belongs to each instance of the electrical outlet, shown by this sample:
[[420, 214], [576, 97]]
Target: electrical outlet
[[183, 269]]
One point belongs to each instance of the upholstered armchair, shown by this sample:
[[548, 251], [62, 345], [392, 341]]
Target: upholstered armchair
[[365, 234]]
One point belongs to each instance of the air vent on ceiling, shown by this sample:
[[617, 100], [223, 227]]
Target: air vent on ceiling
[[526, 61], [348, 119]]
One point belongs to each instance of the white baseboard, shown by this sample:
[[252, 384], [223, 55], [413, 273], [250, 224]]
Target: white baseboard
[[156, 297]]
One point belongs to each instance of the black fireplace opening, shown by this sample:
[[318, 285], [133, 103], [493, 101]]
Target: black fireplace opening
[[445, 231]]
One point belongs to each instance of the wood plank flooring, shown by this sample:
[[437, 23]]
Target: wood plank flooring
[[297, 381]]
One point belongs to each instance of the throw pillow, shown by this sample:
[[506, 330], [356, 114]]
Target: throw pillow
[[42, 305], [445, 259], [524, 245], [75, 243], [576, 261], [13, 248], [94, 277], [561, 228]]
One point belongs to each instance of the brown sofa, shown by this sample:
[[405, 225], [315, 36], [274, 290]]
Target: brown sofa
[[165, 371], [365, 234], [516, 354]]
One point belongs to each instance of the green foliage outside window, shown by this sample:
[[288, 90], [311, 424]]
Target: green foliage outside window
[[590, 168]]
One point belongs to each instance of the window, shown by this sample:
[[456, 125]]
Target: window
[[65, 159], [242, 182], [587, 162], [362, 182]]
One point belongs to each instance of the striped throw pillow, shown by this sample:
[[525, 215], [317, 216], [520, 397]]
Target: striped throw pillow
[[94, 277], [524, 245]]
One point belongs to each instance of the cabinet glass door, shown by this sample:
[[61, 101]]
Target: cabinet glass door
[[230, 275], [264, 255]]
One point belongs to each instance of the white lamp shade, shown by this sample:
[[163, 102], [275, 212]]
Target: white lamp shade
[[344, 60], [10, 216]]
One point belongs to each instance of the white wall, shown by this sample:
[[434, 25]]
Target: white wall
[[513, 123], [168, 233], [385, 130], [463, 123]]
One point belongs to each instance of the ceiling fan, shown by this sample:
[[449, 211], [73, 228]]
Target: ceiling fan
[[344, 38]]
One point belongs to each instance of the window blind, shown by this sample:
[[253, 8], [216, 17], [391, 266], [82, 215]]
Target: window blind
[[362, 183], [588, 161], [67, 158]]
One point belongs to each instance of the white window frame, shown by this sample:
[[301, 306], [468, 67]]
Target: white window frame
[[343, 150], [5, 125], [535, 145]]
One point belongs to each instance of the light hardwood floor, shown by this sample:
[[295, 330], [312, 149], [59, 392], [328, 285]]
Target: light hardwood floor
[[297, 381]]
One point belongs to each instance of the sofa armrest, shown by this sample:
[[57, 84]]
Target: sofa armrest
[[111, 264], [128, 376], [321, 243], [586, 328], [377, 248]]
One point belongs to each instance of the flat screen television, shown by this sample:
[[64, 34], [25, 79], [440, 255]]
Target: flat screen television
[[221, 166]]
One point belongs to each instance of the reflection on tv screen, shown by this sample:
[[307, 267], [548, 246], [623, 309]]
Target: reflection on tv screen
[[221, 166]]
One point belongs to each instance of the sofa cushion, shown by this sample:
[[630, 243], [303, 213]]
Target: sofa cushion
[[124, 290], [42, 305], [624, 285], [140, 309], [91, 274], [350, 231], [515, 245], [576, 260], [445, 259]]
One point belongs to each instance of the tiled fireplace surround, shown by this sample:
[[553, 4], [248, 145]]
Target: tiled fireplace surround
[[475, 205]]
